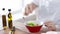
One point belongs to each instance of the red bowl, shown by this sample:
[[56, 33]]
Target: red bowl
[[34, 29]]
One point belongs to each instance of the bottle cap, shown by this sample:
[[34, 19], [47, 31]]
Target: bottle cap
[[3, 9], [9, 9]]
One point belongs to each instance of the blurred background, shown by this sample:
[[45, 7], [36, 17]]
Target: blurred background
[[17, 7]]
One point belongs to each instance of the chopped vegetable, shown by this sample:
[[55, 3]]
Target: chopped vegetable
[[30, 23]]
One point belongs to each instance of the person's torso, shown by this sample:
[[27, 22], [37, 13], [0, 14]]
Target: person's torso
[[49, 10]]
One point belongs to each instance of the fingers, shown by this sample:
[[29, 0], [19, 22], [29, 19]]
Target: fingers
[[28, 10], [31, 8], [52, 28], [50, 25]]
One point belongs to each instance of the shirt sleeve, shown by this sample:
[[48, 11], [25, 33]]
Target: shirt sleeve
[[36, 2]]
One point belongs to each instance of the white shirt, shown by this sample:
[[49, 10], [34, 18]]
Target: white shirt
[[48, 10]]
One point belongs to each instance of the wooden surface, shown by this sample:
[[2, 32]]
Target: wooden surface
[[18, 31]]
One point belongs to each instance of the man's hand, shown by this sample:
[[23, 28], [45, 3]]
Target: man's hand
[[29, 8], [50, 25]]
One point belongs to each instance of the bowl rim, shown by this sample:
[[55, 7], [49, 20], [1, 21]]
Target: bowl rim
[[35, 22], [33, 26]]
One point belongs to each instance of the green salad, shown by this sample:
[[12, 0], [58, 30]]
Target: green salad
[[32, 24]]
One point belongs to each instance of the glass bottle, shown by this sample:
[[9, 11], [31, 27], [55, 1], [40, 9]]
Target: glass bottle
[[12, 31], [10, 24], [4, 19]]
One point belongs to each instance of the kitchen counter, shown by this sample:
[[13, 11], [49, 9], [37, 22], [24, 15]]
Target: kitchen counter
[[19, 31], [24, 30]]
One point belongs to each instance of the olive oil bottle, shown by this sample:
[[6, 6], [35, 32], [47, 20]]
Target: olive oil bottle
[[12, 31], [4, 19], [10, 24]]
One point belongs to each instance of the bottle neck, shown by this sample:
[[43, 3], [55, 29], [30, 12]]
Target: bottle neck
[[9, 11], [4, 13]]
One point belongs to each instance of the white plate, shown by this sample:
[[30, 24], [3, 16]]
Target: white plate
[[52, 32]]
